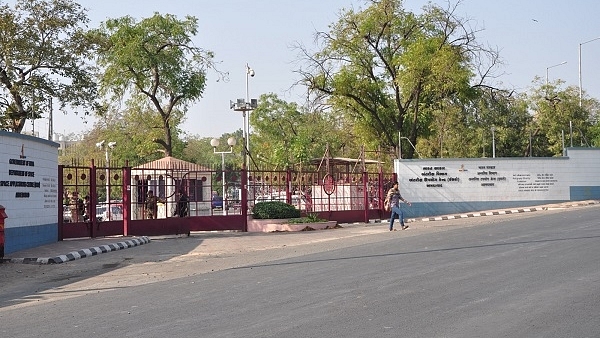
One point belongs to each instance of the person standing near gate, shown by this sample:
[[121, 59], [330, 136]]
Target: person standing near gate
[[151, 205], [181, 209], [393, 197], [86, 208], [77, 208]]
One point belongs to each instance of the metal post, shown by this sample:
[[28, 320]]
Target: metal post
[[493, 143], [107, 186], [399, 146], [580, 86], [571, 132], [556, 65], [223, 182], [249, 71], [215, 143]]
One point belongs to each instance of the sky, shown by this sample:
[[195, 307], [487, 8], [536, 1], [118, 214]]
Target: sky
[[534, 37]]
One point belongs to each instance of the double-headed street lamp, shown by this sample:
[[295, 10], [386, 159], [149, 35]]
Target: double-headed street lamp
[[580, 87], [215, 143], [107, 146]]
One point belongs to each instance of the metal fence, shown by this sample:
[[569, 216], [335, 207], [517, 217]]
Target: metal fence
[[116, 199]]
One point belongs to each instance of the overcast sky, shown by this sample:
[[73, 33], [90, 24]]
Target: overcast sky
[[532, 36]]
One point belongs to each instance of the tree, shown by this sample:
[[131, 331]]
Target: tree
[[559, 118], [388, 68], [286, 134], [43, 55], [153, 64]]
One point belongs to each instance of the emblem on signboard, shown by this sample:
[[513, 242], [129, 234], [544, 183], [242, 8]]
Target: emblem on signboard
[[328, 184]]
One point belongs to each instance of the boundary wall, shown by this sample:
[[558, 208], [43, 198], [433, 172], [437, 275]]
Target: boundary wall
[[29, 190], [449, 186]]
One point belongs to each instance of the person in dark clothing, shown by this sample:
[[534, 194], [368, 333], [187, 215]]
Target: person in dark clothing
[[151, 205], [181, 208], [394, 198]]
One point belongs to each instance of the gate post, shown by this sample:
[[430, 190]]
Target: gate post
[[61, 201], [288, 186], [94, 225], [126, 198], [365, 181], [245, 197], [2, 238]]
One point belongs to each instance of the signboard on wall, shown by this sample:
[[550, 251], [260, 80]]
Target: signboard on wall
[[484, 179], [28, 180]]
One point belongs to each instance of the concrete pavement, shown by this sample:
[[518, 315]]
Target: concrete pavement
[[69, 250]]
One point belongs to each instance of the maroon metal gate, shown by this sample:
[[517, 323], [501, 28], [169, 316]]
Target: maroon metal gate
[[116, 197]]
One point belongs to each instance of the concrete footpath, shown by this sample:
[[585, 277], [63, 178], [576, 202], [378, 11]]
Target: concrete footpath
[[73, 249]]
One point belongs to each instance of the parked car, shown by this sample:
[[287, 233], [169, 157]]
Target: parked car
[[67, 214], [116, 213], [216, 202]]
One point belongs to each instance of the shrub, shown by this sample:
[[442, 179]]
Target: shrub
[[274, 210], [310, 218]]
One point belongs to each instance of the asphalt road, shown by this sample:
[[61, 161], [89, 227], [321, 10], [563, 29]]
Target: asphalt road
[[526, 275]]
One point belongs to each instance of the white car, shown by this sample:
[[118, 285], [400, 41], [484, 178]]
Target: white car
[[116, 213]]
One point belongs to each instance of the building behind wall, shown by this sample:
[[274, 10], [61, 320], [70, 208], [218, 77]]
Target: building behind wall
[[448, 186], [29, 190]]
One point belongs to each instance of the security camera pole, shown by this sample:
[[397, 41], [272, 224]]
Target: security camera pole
[[249, 71], [245, 105]]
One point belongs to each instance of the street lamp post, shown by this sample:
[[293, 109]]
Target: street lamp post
[[580, 86], [107, 146], [215, 143], [560, 64]]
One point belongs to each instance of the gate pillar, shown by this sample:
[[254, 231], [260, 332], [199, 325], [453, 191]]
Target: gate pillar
[[3, 216]]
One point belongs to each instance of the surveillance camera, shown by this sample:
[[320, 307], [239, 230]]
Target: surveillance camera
[[251, 72]]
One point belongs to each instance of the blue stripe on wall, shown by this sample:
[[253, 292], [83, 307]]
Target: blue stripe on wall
[[418, 210], [21, 238], [583, 193]]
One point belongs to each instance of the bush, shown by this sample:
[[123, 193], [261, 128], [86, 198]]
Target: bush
[[274, 210], [310, 218]]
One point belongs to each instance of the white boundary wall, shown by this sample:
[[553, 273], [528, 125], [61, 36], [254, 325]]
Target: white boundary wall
[[446, 186], [29, 190]]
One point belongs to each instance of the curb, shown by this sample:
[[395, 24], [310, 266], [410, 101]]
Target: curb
[[480, 214], [73, 255], [510, 211]]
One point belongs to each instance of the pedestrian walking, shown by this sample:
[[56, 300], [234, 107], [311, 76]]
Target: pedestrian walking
[[393, 199]]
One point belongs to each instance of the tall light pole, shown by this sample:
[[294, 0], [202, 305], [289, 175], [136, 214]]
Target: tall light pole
[[245, 105], [215, 143], [580, 86], [249, 72], [106, 147], [560, 64]]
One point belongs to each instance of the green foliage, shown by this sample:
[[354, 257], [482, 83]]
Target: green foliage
[[388, 69], [286, 134], [274, 210], [154, 63], [44, 56], [557, 113], [309, 218]]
